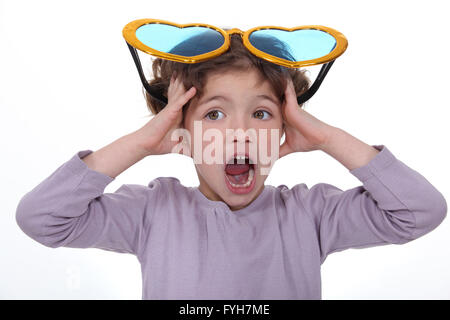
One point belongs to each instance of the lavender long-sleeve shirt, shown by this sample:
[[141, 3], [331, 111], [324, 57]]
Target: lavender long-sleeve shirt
[[190, 247]]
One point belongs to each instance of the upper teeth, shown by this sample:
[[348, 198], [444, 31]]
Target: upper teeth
[[241, 159]]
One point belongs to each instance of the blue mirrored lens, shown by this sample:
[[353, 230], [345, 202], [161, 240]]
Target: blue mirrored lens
[[190, 41], [299, 45]]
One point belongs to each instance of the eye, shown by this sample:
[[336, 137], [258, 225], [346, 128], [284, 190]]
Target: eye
[[260, 114], [214, 113]]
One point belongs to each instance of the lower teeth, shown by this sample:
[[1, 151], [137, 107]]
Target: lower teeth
[[249, 181]]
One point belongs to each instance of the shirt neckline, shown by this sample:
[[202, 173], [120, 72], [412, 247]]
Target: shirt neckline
[[254, 206]]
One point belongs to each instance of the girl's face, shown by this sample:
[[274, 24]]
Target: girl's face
[[231, 101]]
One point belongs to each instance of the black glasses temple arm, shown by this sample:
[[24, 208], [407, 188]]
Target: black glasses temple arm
[[159, 97], [154, 93], [315, 86]]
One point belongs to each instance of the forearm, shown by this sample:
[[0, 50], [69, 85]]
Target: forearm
[[116, 157], [348, 150]]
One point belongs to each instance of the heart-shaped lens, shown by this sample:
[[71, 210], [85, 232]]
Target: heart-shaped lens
[[188, 41], [297, 45]]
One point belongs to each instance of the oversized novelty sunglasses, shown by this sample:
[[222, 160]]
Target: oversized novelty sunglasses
[[196, 42]]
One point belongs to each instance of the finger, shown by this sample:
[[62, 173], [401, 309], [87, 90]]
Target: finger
[[177, 90], [174, 83], [290, 94], [298, 118], [184, 98], [290, 105], [174, 107]]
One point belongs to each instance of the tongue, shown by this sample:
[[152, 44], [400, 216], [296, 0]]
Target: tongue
[[234, 169]]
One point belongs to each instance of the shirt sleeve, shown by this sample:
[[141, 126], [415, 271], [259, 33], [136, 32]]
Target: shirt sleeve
[[394, 205], [69, 209]]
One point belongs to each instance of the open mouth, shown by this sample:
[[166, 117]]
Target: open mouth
[[240, 173]]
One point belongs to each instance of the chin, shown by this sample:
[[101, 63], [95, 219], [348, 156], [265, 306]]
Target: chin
[[244, 198]]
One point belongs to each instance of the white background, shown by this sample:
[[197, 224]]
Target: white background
[[68, 83]]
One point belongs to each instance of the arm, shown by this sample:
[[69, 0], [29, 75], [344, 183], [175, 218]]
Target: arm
[[117, 156], [69, 208], [395, 204], [349, 151]]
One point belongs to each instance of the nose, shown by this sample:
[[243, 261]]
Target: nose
[[241, 129], [241, 137], [239, 121]]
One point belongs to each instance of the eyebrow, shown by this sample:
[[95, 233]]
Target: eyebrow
[[219, 97], [266, 97]]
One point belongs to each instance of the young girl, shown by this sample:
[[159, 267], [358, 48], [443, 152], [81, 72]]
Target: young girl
[[232, 237]]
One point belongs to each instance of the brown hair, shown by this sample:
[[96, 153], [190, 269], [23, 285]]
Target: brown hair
[[236, 58]]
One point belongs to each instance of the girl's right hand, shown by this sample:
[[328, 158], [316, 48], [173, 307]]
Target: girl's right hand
[[155, 136]]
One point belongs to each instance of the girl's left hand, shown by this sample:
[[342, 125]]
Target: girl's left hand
[[303, 132]]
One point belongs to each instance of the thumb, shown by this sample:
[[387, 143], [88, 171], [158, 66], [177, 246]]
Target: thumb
[[285, 149]]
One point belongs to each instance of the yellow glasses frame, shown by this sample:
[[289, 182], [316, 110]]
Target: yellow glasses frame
[[129, 33], [133, 43]]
